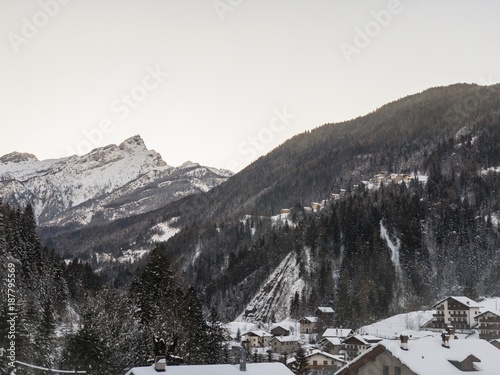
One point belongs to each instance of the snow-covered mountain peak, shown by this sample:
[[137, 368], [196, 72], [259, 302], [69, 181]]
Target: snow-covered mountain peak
[[17, 157], [104, 182]]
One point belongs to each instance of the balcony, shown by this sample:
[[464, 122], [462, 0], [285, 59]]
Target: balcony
[[486, 320], [458, 314]]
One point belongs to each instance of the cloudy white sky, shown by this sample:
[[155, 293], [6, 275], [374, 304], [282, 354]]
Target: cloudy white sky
[[221, 82]]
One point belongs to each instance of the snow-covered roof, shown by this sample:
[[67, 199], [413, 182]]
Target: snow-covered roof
[[285, 338], [258, 333], [274, 368], [326, 310], [279, 326], [325, 354], [428, 356], [333, 340], [357, 338], [337, 332], [463, 300], [311, 319]]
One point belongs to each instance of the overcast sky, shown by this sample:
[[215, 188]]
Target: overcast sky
[[221, 82]]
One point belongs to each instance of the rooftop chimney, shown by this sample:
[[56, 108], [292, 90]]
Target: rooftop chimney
[[451, 331], [404, 340], [446, 340], [243, 359], [160, 363]]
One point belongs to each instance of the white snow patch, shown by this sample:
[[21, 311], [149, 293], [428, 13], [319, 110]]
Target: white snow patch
[[393, 247], [166, 230]]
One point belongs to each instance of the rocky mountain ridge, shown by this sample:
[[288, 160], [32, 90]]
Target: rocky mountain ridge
[[108, 183]]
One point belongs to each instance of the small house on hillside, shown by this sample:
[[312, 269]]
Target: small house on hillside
[[325, 314], [426, 356], [457, 311], [308, 324], [284, 344], [280, 331], [331, 345], [489, 325], [257, 339]]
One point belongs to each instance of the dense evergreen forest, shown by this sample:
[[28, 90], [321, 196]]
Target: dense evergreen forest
[[65, 317]]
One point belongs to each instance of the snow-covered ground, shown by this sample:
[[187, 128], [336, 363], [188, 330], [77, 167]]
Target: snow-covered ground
[[166, 230], [392, 327]]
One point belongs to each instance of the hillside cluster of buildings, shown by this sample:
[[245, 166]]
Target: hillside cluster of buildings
[[441, 351], [374, 182], [460, 337]]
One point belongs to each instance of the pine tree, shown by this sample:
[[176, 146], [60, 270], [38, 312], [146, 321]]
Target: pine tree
[[45, 338], [87, 349], [215, 340], [299, 367]]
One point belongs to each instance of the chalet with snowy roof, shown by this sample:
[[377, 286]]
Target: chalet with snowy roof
[[355, 345], [318, 360], [331, 345], [274, 368], [488, 325], [284, 344], [426, 356], [308, 324], [280, 331], [325, 314], [457, 311], [257, 339]]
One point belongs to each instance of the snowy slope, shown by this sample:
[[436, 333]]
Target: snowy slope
[[107, 183], [275, 294]]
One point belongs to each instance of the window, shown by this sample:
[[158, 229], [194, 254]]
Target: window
[[386, 370], [325, 363], [397, 370], [315, 363]]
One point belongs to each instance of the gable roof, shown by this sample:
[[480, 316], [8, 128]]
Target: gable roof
[[258, 333], [337, 332], [338, 358], [463, 300], [353, 339], [274, 368], [280, 327], [310, 319], [332, 340], [427, 356], [488, 312], [285, 338]]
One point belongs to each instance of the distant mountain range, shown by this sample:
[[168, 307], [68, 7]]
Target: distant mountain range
[[106, 184]]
